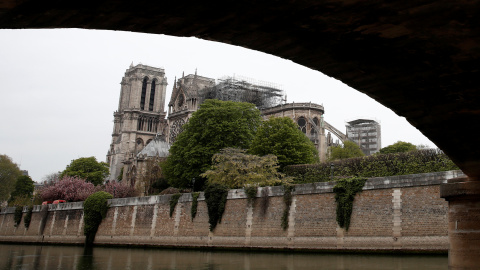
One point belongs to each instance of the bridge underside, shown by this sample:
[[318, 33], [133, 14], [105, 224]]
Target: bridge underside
[[419, 58]]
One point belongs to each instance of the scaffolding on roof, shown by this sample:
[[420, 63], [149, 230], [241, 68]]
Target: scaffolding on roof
[[242, 89]]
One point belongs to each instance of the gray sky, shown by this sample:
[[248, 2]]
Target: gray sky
[[59, 89]]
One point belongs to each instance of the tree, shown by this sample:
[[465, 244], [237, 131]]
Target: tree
[[234, 168], [216, 125], [349, 149], [87, 168], [398, 147], [119, 189], [51, 178], [69, 188], [151, 174], [423, 147], [282, 138], [9, 172], [23, 188]]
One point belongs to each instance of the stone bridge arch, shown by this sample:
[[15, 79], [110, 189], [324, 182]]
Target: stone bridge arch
[[418, 58]]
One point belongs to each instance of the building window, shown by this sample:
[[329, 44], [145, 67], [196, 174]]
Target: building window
[[302, 124], [152, 95], [144, 93]]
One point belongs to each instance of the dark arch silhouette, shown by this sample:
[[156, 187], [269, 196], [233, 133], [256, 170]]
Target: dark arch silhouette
[[418, 58]]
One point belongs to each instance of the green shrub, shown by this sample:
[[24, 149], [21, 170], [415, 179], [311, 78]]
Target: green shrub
[[17, 217], [28, 216], [173, 202], [379, 165], [94, 210], [287, 199], [193, 210], [251, 193], [216, 198], [345, 191]]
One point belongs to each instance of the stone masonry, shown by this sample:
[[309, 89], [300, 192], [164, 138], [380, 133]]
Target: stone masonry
[[398, 213]]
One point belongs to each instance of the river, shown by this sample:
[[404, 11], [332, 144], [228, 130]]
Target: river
[[74, 257]]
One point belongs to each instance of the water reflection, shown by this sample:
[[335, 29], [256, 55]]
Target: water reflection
[[69, 257]]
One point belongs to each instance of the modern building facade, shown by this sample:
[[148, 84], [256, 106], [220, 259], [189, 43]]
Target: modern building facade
[[366, 133]]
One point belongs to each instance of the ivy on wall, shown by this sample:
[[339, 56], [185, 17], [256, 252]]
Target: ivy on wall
[[17, 217], [287, 199], [193, 210], [95, 209], [264, 201], [43, 220], [216, 198], [28, 216], [173, 202], [251, 193], [345, 191]]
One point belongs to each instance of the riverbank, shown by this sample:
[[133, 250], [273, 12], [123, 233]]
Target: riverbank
[[400, 214]]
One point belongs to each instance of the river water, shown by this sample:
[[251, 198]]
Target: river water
[[73, 257]]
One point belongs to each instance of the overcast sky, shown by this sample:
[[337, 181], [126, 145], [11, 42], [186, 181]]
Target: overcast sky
[[59, 89]]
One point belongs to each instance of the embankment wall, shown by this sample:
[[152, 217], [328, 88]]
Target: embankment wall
[[399, 213]]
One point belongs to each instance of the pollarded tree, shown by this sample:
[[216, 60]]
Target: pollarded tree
[[233, 168], [282, 138], [9, 172], [87, 168], [216, 125], [398, 147], [349, 149]]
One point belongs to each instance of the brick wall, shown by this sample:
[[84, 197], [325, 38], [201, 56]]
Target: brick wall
[[391, 213]]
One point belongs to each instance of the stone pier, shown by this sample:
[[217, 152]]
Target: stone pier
[[463, 196]]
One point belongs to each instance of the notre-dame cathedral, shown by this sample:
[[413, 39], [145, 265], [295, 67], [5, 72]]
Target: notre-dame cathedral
[[142, 129]]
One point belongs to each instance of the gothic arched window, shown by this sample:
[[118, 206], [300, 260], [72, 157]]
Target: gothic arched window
[[138, 145], [302, 124], [152, 95], [144, 93]]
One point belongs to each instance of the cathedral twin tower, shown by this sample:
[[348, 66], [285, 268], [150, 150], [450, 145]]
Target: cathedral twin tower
[[140, 116], [140, 128]]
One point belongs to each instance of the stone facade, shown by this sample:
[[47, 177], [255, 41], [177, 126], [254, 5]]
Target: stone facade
[[139, 118], [185, 101]]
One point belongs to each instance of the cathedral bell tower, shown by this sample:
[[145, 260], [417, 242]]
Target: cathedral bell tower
[[140, 116]]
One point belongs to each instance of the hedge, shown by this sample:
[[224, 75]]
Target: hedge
[[378, 165]]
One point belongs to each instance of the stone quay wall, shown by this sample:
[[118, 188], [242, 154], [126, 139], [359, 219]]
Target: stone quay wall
[[391, 214]]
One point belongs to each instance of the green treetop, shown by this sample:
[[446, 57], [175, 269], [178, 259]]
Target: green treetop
[[234, 168], [87, 168], [216, 125], [9, 172], [23, 188], [282, 138], [349, 149], [398, 147]]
